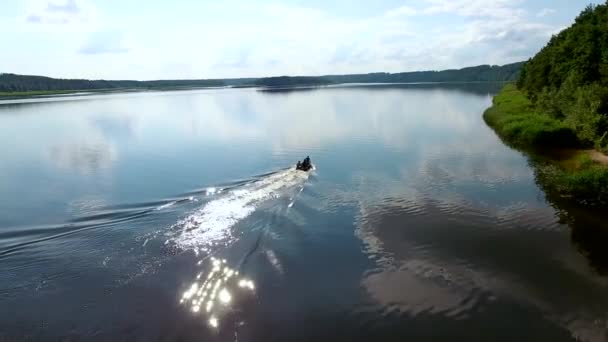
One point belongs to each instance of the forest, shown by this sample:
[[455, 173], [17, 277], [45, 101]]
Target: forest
[[568, 79], [10, 83], [13, 83], [558, 110]]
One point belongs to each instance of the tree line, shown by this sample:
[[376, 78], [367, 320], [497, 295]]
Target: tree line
[[10, 83], [23, 83], [568, 79]]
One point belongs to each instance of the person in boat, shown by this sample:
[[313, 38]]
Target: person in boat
[[305, 165]]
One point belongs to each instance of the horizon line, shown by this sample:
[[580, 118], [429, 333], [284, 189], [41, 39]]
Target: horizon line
[[262, 77]]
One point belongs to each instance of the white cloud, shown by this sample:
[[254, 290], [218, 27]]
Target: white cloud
[[476, 8], [280, 39], [402, 11], [495, 32], [315, 42], [59, 12], [546, 12], [70, 6]]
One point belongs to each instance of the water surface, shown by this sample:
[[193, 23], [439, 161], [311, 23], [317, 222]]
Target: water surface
[[175, 216]]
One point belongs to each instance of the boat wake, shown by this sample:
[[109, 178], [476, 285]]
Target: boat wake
[[211, 224]]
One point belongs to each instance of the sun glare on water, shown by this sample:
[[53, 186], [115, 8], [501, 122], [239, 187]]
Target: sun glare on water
[[213, 296]]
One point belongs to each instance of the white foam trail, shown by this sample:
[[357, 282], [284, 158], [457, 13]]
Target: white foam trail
[[274, 261], [293, 199], [211, 224], [166, 205]]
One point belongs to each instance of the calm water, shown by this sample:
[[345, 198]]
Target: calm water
[[172, 216]]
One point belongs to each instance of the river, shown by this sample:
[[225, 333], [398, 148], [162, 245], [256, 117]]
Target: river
[[175, 216]]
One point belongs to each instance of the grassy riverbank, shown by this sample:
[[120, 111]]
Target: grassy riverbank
[[564, 165], [515, 119]]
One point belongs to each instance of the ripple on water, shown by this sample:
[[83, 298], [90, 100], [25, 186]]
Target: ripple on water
[[450, 258]]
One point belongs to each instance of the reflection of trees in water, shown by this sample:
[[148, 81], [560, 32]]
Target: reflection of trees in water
[[477, 88], [587, 220], [287, 90], [590, 234], [476, 264], [589, 227]]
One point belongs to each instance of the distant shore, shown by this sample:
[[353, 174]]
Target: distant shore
[[19, 86], [7, 96], [84, 92]]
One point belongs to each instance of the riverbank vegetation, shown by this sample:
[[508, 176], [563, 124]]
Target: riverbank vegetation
[[568, 79], [519, 122], [560, 103], [563, 163]]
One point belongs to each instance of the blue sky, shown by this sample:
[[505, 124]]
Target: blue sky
[[212, 39]]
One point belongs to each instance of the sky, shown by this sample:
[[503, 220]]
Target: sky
[[153, 39]]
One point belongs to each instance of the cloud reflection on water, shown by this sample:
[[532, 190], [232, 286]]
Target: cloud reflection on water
[[317, 119], [84, 157], [439, 249]]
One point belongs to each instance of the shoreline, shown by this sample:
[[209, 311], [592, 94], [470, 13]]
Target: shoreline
[[563, 166], [85, 92], [6, 96]]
